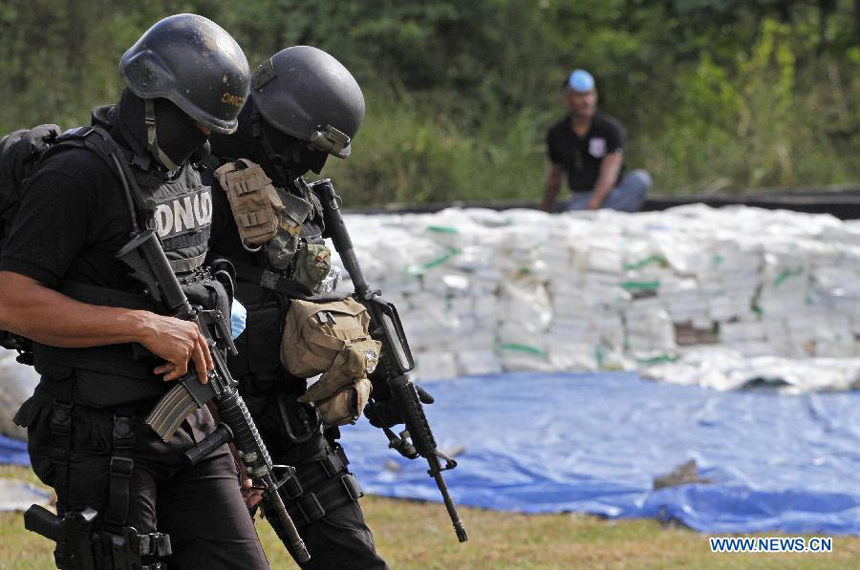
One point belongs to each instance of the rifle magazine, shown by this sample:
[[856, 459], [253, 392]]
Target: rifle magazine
[[166, 417]]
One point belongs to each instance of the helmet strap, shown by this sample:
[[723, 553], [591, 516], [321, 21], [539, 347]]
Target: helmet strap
[[276, 160], [152, 138]]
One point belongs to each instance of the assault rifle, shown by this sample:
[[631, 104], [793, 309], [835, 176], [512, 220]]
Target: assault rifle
[[392, 373], [146, 258]]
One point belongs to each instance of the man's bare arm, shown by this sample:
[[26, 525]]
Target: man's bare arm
[[551, 186], [610, 166], [32, 310]]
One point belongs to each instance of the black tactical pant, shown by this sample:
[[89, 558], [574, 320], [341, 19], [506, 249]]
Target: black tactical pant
[[327, 514], [200, 508]]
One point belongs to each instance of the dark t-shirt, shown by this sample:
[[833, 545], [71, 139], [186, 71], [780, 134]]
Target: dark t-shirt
[[581, 157], [72, 220]]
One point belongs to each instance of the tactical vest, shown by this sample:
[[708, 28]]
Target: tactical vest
[[266, 287], [180, 210]]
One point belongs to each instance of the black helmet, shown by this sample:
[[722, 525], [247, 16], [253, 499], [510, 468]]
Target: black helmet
[[191, 61], [308, 94]]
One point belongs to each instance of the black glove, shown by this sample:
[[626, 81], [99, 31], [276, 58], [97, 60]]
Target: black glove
[[386, 414]]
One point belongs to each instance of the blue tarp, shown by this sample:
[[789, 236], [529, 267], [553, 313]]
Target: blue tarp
[[547, 443], [13, 452]]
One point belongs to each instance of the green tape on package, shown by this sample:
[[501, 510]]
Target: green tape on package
[[653, 260], [641, 285], [524, 348]]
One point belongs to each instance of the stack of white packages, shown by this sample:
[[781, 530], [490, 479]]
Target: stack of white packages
[[694, 290]]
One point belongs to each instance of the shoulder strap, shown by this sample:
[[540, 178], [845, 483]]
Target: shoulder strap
[[99, 141], [211, 163]]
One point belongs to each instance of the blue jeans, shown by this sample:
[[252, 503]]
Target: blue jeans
[[628, 196]]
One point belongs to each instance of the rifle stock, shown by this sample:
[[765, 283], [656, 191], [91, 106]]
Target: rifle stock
[[396, 360]]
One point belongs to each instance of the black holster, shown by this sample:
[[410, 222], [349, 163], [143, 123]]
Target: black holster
[[82, 547]]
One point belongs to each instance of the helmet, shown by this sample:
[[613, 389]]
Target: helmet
[[191, 61], [308, 94]]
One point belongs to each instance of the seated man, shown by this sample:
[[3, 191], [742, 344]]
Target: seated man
[[589, 147]]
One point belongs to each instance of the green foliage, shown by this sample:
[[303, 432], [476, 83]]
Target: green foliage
[[414, 154], [714, 94]]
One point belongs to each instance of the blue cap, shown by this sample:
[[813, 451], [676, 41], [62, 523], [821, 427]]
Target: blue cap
[[580, 80]]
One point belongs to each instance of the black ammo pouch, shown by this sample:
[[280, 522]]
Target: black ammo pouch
[[132, 550], [205, 291], [258, 363], [325, 485], [59, 407]]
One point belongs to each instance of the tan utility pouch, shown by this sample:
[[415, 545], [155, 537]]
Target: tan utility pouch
[[255, 202], [342, 392], [331, 338], [346, 405], [316, 333]]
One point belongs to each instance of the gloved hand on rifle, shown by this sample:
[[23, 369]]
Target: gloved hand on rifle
[[383, 411]]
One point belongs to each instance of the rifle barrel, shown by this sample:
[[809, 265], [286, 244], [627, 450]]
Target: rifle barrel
[[435, 470], [397, 378]]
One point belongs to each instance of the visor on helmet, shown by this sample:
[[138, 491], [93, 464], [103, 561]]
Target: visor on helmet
[[332, 141]]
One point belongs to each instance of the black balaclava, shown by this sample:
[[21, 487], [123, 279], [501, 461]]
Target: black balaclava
[[289, 159], [178, 134], [293, 152]]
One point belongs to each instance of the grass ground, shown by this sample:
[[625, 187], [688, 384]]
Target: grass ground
[[416, 535]]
